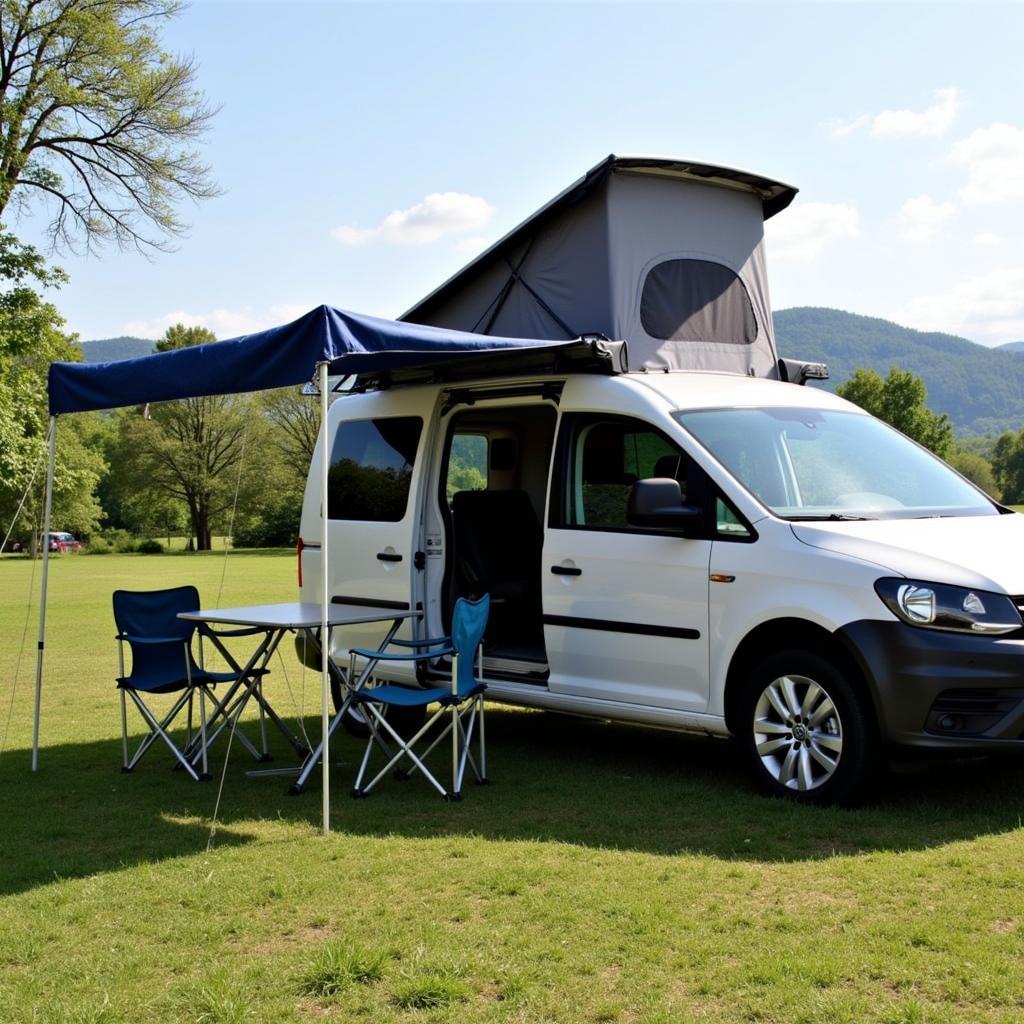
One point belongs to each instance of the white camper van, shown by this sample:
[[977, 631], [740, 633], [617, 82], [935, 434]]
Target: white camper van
[[714, 551]]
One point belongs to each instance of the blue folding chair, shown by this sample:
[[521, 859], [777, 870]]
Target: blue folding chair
[[162, 663], [464, 699]]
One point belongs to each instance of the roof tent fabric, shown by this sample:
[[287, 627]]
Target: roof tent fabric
[[282, 356], [583, 263]]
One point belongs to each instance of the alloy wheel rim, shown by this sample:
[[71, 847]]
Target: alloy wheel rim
[[798, 733]]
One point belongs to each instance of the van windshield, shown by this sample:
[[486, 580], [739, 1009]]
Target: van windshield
[[831, 464]]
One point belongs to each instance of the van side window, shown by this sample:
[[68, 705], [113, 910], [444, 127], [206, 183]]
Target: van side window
[[728, 525], [467, 464], [371, 469], [607, 456]]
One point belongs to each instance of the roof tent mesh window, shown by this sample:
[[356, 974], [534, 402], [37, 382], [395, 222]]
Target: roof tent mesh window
[[371, 469], [696, 300]]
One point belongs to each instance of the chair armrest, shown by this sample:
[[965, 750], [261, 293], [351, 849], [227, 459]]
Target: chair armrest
[[383, 656], [423, 643], [152, 639]]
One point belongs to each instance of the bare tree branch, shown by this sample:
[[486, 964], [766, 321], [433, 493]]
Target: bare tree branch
[[99, 121]]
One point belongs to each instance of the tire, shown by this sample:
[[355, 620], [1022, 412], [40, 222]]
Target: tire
[[405, 721], [809, 734]]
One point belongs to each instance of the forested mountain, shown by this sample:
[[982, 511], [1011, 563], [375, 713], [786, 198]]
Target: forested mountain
[[107, 350], [980, 389], [1012, 346]]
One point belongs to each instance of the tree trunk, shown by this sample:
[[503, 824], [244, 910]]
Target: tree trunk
[[202, 529]]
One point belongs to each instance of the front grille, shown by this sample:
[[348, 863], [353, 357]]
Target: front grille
[[970, 712]]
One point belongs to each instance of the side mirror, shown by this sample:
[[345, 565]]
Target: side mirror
[[659, 502]]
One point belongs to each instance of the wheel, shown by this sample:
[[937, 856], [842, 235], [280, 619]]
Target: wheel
[[405, 721], [809, 735]]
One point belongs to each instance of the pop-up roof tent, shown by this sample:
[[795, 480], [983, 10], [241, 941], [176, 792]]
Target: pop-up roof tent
[[665, 254]]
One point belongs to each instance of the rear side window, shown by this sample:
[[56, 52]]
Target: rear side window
[[696, 300], [371, 469]]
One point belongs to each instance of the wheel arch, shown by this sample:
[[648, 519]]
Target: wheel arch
[[779, 634]]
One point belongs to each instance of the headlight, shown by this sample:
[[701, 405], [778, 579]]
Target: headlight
[[935, 606]]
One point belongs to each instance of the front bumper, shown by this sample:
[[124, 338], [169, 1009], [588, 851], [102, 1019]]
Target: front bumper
[[941, 691]]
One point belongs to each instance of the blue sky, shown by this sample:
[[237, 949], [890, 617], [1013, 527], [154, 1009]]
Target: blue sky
[[903, 127]]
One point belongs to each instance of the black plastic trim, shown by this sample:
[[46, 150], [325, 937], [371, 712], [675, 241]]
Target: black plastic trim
[[371, 602], [907, 669], [614, 626]]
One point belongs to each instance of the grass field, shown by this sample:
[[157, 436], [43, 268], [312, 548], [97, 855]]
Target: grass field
[[609, 874]]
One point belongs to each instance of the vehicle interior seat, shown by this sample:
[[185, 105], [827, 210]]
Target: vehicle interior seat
[[668, 467], [497, 551]]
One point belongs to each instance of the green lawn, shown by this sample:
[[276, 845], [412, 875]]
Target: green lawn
[[609, 874]]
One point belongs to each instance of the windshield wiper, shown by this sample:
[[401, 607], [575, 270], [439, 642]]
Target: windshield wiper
[[832, 517]]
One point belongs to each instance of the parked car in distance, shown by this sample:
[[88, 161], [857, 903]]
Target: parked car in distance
[[64, 542]]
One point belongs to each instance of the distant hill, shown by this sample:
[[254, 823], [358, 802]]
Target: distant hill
[[1012, 346], [109, 350], [980, 389]]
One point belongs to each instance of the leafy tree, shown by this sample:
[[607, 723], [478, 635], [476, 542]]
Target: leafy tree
[[186, 450], [31, 337], [976, 468], [98, 120], [900, 400], [1008, 464], [297, 419]]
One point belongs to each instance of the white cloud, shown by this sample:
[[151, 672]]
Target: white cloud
[[437, 215], [994, 159], [988, 307], [225, 323], [806, 228], [932, 122], [922, 217], [986, 238]]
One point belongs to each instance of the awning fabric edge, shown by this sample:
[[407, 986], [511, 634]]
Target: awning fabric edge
[[279, 357]]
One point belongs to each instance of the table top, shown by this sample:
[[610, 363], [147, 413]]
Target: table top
[[298, 615]]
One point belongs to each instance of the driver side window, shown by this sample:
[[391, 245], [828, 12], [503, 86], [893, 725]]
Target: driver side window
[[607, 455]]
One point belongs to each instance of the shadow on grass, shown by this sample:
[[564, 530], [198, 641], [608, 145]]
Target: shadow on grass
[[555, 779]]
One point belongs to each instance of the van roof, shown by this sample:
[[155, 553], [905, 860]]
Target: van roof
[[705, 389]]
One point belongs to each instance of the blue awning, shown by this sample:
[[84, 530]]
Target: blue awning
[[279, 357]]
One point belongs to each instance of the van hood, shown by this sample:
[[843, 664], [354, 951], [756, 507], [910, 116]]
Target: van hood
[[980, 552]]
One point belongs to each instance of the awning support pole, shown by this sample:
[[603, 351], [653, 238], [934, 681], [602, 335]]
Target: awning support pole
[[51, 461], [325, 637]]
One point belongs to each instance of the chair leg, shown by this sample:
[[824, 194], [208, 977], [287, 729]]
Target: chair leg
[[466, 735], [154, 734], [202, 733], [404, 750], [124, 734], [483, 745], [159, 729], [456, 793], [188, 734]]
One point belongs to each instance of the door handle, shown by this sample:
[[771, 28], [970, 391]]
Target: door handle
[[388, 556], [566, 570]]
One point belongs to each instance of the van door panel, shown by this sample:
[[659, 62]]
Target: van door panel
[[378, 443], [625, 609]]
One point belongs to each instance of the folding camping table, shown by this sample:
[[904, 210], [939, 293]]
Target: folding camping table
[[274, 621]]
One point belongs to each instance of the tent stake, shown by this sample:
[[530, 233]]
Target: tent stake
[[325, 637], [51, 459]]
